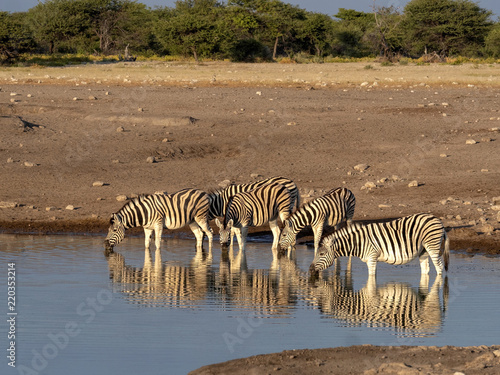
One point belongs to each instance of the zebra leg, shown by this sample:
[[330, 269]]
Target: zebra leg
[[158, 233], [273, 224], [241, 237], [147, 234], [437, 260], [318, 231], [198, 233], [424, 263], [208, 231], [372, 266]]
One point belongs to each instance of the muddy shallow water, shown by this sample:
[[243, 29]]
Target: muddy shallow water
[[127, 313]]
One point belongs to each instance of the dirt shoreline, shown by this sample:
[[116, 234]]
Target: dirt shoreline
[[367, 360]]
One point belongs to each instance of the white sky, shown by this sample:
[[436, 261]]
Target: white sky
[[329, 7]]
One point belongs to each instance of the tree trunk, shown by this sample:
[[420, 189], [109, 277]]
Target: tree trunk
[[193, 48], [275, 47]]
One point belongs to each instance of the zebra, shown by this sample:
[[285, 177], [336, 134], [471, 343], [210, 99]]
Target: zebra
[[396, 242], [155, 211], [254, 208], [220, 198], [331, 209]]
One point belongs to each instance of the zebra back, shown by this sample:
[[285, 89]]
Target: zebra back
[[259, 206], [335, 206]]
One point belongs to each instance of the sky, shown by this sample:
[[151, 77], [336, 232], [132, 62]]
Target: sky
[[329, 7]]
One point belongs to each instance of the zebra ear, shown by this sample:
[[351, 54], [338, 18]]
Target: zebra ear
[[218, 223], [230, 223]]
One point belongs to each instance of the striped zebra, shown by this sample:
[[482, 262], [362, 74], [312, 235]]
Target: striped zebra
[[155, 211], [220, 198], [255, 208], [396, 242], [331, 209]]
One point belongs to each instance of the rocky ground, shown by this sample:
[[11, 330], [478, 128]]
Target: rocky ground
[[367, 360], [74, 146]]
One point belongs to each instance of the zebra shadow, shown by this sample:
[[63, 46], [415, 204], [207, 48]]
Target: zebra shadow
[[409, 311]]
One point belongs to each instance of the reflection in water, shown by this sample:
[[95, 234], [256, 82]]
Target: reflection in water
[[410, 311], [276, 292]]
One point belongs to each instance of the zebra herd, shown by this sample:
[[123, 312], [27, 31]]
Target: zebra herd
[[264, 202]]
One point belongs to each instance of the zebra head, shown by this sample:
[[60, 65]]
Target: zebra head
[[287, 238], [116, 232], [224, 232], [324, 258]]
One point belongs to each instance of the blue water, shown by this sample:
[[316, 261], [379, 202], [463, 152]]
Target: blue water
[[79, 312]]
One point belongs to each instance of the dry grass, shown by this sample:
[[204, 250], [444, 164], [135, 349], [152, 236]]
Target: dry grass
[[262, 74]]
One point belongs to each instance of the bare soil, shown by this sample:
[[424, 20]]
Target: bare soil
[[62, 129]]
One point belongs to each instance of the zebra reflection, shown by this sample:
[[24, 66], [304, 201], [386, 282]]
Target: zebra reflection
[[416, 312]]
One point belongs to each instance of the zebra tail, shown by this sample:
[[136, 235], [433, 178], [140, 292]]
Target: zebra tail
[[446, 254]]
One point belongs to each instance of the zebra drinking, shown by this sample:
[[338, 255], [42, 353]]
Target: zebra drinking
[[220, 198], [155, 211], [331, 209], [254, 208], [395, 242]]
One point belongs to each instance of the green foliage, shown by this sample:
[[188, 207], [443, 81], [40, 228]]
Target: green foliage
[[446, 27], [251, 30]]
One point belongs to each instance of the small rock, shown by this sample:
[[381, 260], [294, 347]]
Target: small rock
[[258, 93], [29, 96], [92, 97], [121, 197], [50, 208], [8, 204], [495, 200], [361, 167], [70, 207], [484, 170], [10, 160], [496, 207], [291, 123], [443, 155], [370, 185], [140, 109], [30, 164], [413, 183], [255, 175], [151, 159], [458, 217], [165, 140], [487, 228], [496, 353], [470, 142], [384, 206], [98, 183], [364, 84], [395, 178], [444, 201], [445, 104], [75, 98], [120, 129]]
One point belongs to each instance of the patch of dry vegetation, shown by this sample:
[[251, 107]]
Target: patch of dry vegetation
[[262, 74]]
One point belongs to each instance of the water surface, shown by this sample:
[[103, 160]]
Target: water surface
[[173, 312]]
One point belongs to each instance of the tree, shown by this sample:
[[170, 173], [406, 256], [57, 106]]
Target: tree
[[15, 37], [445, 26], [280, 20], [317, 29], [56, 21], [492, 41], [385, 36], [195, 27]]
